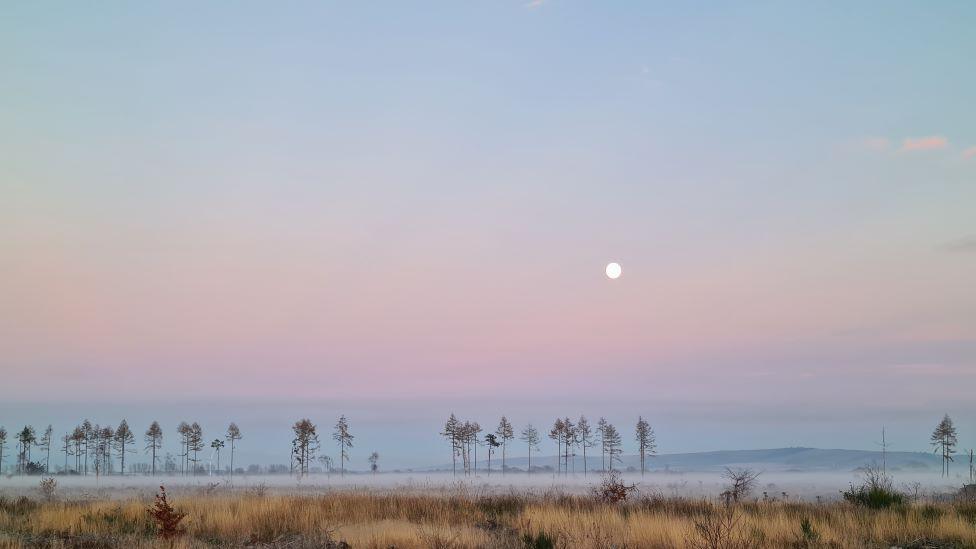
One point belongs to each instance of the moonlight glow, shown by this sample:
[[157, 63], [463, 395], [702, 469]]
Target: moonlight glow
[[613, 270]]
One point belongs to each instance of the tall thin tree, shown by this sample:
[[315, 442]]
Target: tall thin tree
[[647, 444], [44, 444], [505, 432], [3, 446], [25, 440], [374, 462], [944, 441], [305, 445], [124, 440], [452, 433], [233, 435], [530, 435], [556, 434], [584, 437], [601, 430], [344, 438], [154, 442]]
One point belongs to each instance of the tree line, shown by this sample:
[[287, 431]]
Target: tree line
[[465, 438], [95, 449]]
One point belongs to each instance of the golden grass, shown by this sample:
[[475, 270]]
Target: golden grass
[[407, 520]]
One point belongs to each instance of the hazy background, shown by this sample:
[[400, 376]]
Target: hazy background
[[256, 213]]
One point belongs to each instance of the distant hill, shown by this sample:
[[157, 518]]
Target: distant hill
[[774, 459]]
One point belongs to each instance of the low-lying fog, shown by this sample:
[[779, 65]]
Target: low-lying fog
[[778, 485]]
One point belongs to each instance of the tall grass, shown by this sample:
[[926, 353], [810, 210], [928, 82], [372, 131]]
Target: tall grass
[[408, 519]]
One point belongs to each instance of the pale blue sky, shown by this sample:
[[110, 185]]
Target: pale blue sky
[[414, 203]]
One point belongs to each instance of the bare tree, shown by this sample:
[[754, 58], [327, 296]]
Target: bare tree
[[741, 484], [124, 439], [233, 435], [646, 442], [531, 437], [374, 462], [944, 441], [154, 442], [344, 438], [505, 432], [584, 437]]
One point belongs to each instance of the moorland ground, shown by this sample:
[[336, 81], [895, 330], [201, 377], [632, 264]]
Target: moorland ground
[[465, 517]]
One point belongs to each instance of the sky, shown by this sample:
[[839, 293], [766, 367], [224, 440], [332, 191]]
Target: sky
[[398, 210]]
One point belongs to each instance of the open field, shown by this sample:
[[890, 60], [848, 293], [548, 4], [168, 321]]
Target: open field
[[464, 516]]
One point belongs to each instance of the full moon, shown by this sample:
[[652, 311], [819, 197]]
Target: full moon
[[613, 270]]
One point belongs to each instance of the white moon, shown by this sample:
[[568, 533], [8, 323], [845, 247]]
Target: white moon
[[613, 270]]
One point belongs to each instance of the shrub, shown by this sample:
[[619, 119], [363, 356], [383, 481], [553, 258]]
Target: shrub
[[875, 491], [167, 519], [612, 489], [48, 486]]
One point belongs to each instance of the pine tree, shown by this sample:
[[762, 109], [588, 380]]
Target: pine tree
[[531, 437], [944, 441], [154, 442], [124, 439], [233, 435], [344, 438], [505, 432], [645, 440]]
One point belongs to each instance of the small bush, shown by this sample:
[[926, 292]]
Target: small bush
[[612, 489], [48, 486], [875, 491], [167, 519]]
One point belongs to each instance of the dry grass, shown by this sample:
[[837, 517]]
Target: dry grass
[[404, 520]]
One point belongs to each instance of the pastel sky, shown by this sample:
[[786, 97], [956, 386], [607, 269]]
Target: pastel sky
[[406, 208]]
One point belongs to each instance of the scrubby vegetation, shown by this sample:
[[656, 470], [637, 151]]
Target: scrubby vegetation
[[458, 519]]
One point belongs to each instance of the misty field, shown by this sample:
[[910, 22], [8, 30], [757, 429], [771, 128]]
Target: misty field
[[465, 516]]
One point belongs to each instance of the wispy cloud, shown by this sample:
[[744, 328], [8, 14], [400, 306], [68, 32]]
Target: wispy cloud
[[534, 3], [970, 152], [876, 143], [928, 143], [963, 245]]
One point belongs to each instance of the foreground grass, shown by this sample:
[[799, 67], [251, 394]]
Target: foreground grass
[[404, 520]]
